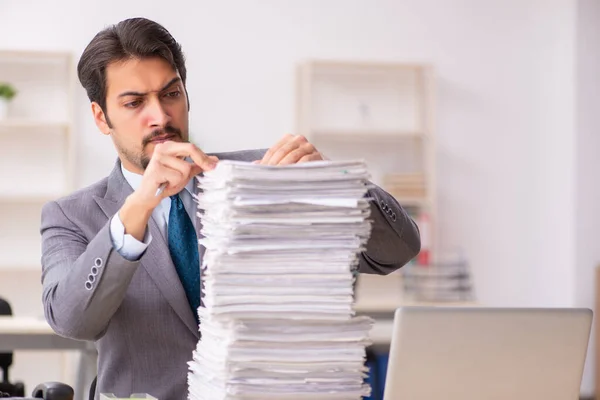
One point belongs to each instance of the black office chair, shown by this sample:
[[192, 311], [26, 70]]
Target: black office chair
[[53, 391], [92, 393], [374, 373], [46, 391], [16, 389]]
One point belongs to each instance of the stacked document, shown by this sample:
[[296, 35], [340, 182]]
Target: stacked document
[[282, 246]]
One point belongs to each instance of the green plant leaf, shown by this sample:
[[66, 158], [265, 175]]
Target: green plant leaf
[[7, 91]]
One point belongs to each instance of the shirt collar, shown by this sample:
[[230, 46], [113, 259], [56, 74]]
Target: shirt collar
[[135, 180]]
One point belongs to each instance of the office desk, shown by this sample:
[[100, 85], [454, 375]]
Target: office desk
[[26, 333], [381, 333], [23, 333]]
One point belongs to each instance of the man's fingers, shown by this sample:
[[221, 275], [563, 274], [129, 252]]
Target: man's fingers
[[287, 148], [195, 170], [202, 160], [295, 155], [176, 163], [182, 150], [172, 177], [311, 157], [266, 158]]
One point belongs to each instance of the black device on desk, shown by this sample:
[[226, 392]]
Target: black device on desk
[[6, 360], [16, 390], [47, 391]]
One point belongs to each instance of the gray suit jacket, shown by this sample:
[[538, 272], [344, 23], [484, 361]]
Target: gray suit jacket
[[137, 312]]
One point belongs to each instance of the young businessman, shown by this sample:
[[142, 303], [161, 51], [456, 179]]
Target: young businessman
[[120, 264]]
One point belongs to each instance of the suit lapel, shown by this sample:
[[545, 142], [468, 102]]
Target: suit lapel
[[156, 260], [159, 265]]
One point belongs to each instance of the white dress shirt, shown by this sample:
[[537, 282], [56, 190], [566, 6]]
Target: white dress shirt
[[129, 247]]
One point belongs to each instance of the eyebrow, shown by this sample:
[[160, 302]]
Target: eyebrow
[[139, 94]]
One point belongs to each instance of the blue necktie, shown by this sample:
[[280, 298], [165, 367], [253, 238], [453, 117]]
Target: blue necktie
[[183, 246]]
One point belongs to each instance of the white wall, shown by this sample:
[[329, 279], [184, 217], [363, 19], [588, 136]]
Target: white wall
[[588, 162], [505, 122]]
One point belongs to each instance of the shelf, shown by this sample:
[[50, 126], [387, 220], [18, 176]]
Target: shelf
[[32, 124], [366, 135], [375, 307], [412, 202], [369, 67], [33, 56], [380, 111], [29, 198], [20, 268]]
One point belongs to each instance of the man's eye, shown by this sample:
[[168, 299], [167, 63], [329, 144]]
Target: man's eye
[[133, 104], [175, 93]]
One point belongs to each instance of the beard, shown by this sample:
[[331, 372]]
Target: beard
[[141, 159]]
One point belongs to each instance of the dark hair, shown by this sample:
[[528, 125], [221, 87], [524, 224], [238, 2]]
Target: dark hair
[[131, 38]]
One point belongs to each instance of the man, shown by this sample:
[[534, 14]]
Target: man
[[121, 264]]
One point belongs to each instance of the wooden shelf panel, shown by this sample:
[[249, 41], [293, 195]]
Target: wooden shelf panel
[[369, 67], [375, 307], [20, 268], [29, 198], [412, 202], [32, 124], [33, 56], [370, 136]]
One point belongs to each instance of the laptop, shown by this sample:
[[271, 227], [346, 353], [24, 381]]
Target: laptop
[[477, 353]]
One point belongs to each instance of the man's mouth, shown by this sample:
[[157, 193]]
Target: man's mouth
[[162, 138], [162, 135]]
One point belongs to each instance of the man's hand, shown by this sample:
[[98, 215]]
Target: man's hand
[[167, 165], [291, 150]]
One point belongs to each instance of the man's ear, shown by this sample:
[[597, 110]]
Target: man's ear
[[100, 119]]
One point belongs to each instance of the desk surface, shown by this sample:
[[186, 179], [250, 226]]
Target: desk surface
[[375, 306], [24, 326], [25, 332], [29, 333], [381, 333], [33, 333]]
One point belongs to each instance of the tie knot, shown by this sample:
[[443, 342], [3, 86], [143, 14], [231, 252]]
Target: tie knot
[[176, 201]]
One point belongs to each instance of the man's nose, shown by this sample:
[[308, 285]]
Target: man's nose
[[158, 115]]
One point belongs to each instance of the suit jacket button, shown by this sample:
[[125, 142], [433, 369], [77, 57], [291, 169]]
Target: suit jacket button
[[94, 271], [98, 262], [88, 285], [394, 216]]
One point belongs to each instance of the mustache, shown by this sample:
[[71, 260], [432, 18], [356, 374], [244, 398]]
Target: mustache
[[169, 129]]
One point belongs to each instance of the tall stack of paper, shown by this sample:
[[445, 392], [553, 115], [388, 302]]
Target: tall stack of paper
[[277, 318]]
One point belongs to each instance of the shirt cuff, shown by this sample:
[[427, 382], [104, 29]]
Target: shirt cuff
[[126, 245]]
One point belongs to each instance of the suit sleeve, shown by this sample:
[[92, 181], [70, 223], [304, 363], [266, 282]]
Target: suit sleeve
[[394, 239], [84, 282]]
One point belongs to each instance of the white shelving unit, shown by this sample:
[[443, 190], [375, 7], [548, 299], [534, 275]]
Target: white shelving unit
[[382, 113], [12, 124], [37, 149]]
